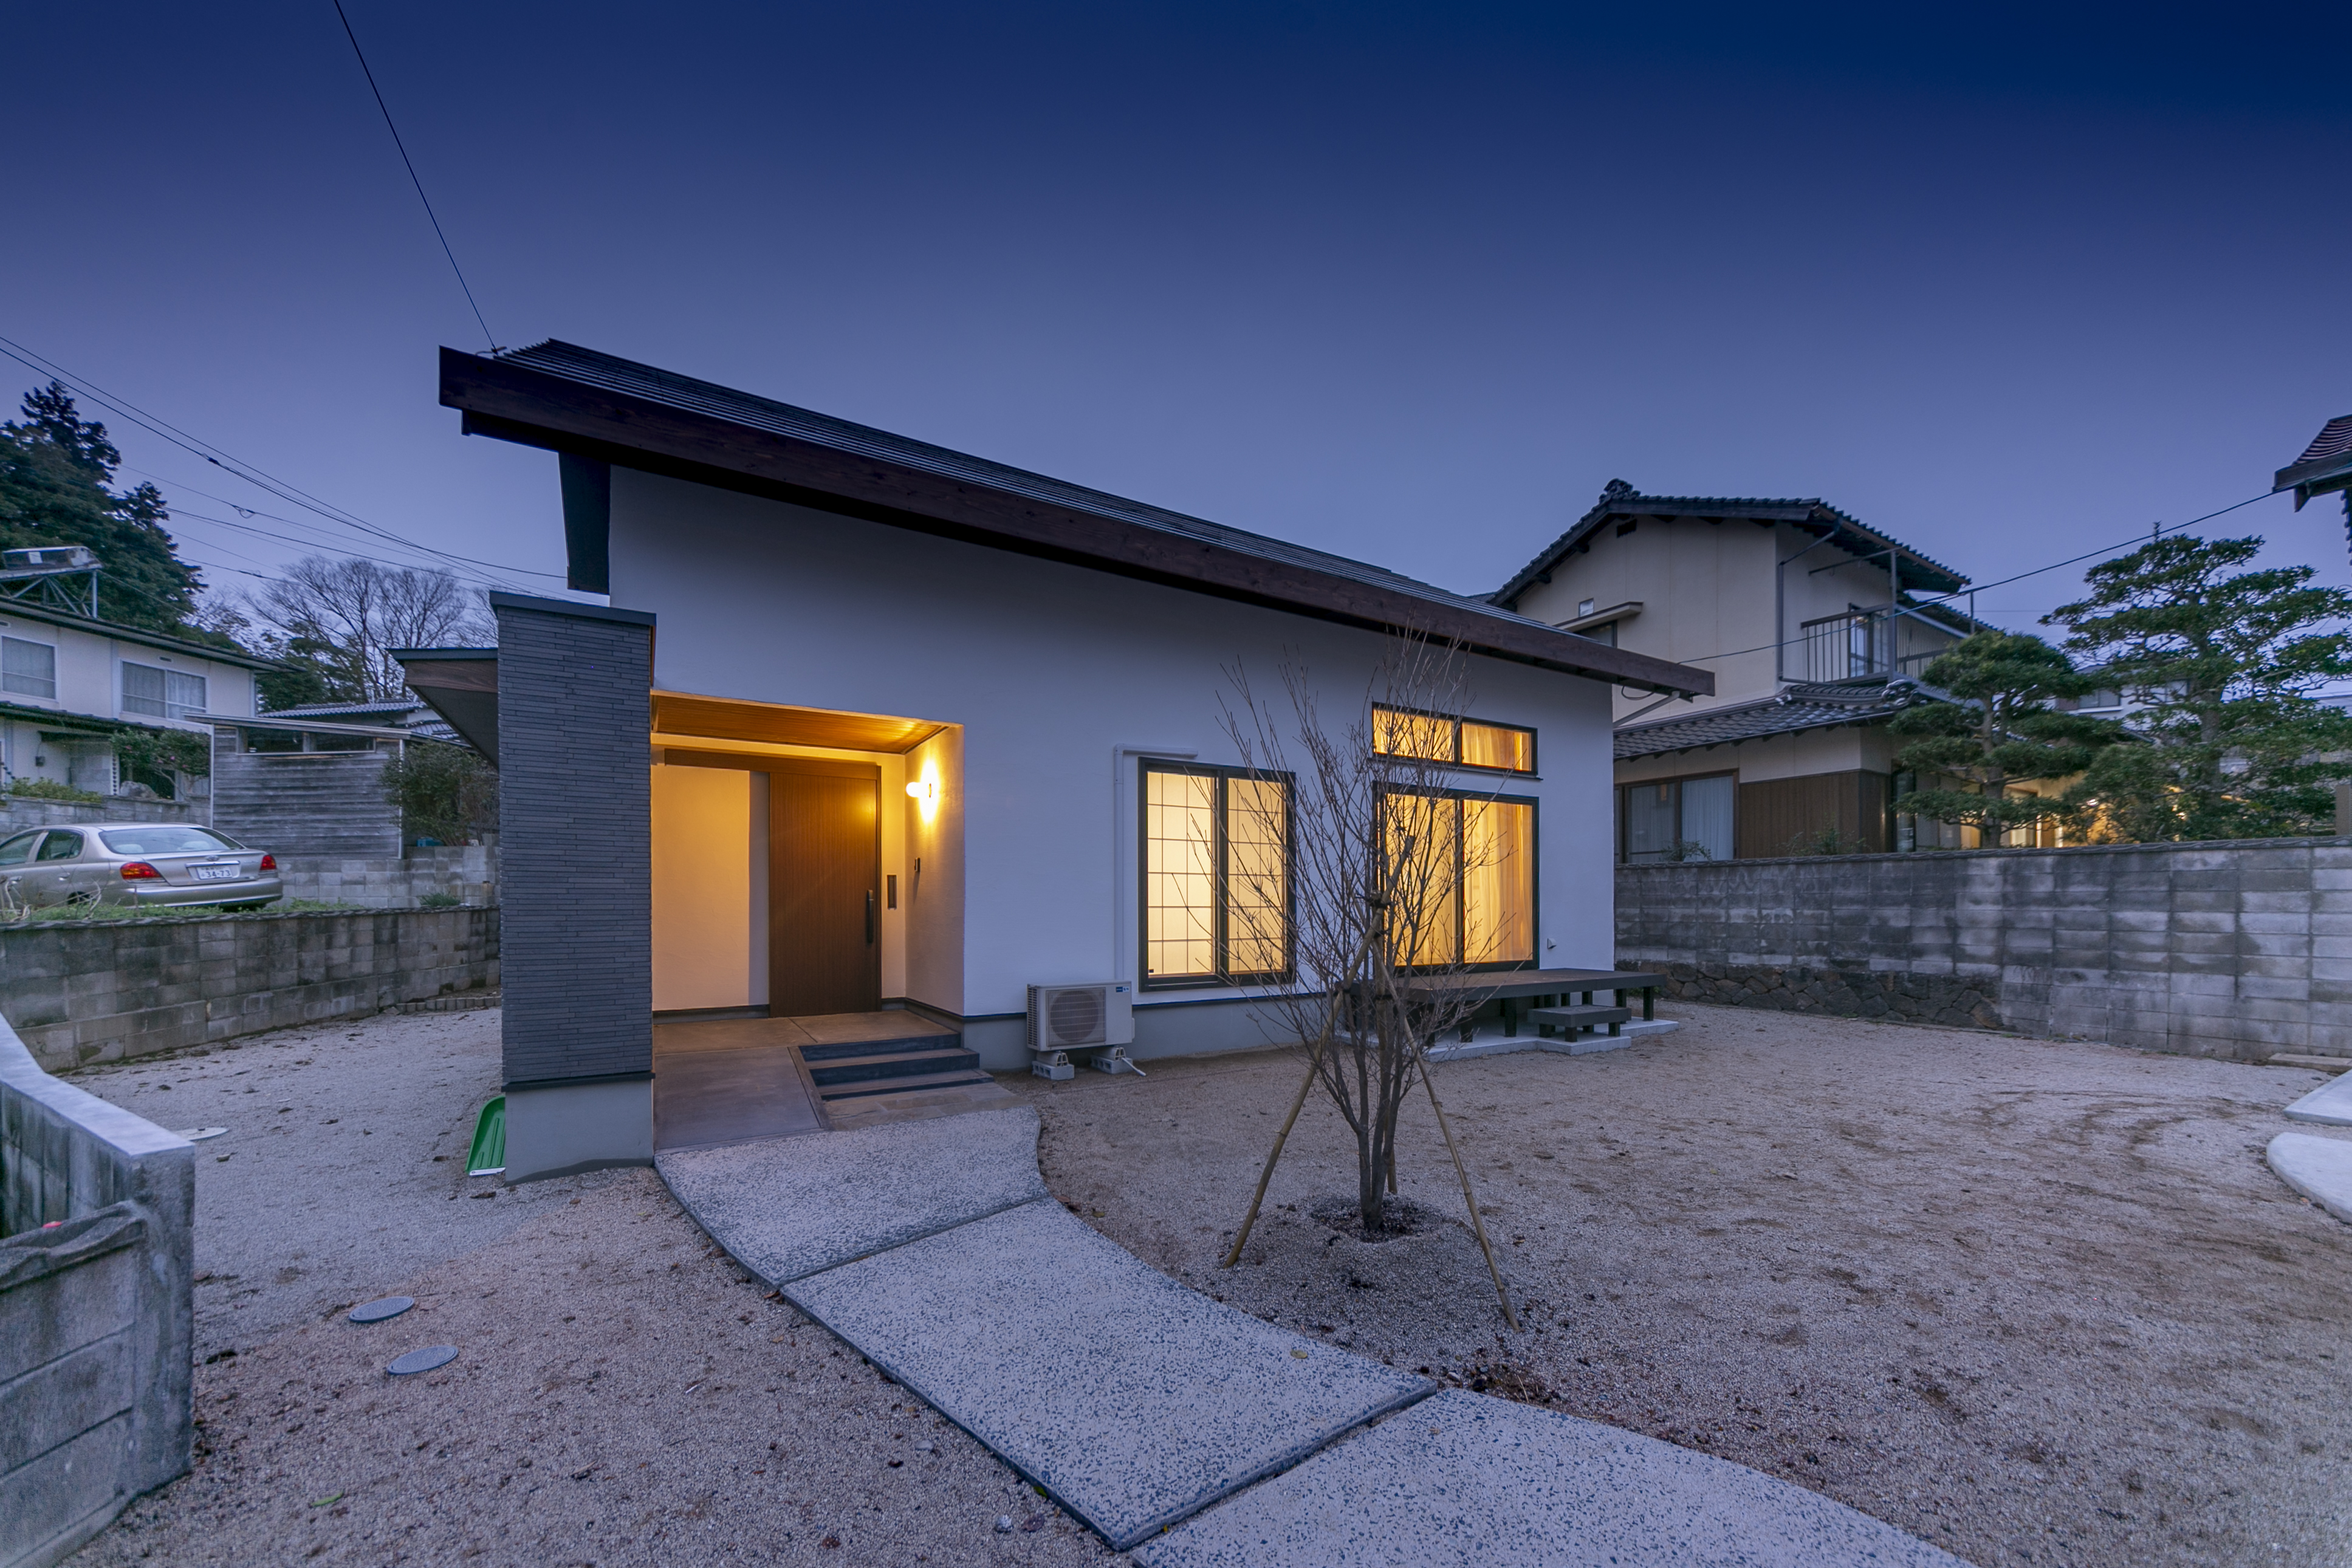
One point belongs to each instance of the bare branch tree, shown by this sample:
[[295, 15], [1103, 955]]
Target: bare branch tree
[[1377, 911], [361, 610]]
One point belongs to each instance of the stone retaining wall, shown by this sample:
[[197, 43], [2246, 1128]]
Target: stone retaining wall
[[2215, 949], [102, 990]]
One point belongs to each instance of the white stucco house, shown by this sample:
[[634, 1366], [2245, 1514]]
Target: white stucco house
[[874, 730], [67, 683]]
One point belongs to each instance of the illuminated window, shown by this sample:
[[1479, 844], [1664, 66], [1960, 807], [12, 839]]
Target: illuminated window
[[1456, 742], [1216, 875], [1460, 874]]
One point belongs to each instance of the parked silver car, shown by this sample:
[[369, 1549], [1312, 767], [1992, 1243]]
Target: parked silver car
[[135, 863]]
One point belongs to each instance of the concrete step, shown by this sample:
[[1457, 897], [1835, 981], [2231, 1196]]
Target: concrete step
[[903, 1085], [868, 1068], [836, 1050]]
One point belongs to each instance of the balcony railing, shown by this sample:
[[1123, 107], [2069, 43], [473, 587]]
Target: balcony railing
[[1845, 647]]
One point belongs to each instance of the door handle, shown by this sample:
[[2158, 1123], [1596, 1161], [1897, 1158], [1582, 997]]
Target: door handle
[[869, 917]]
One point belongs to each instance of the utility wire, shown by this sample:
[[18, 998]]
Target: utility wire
[[413, 180], [197, 447], [2156, 533]]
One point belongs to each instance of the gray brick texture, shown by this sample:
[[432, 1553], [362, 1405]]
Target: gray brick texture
[[575, 866]]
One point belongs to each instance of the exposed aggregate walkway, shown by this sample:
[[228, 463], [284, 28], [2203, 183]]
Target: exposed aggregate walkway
[[1192, 1432]]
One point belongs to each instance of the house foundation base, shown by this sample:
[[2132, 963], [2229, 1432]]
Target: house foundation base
[[566, 1128]]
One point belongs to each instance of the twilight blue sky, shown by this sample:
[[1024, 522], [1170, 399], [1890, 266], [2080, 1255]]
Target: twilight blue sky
[[1411, 283]]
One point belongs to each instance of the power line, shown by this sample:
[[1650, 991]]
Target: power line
[[260, 479], [413, 180], [2158, 532]]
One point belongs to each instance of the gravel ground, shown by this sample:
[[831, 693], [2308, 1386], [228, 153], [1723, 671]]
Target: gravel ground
[[623, 1393], [2039, 1303], [343, 1164]]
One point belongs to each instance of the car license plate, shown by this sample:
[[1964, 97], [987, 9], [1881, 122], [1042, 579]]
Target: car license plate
[[214, 872]]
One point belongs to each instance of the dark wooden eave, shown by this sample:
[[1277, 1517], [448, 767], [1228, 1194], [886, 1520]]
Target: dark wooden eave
[[461, 685], [533, 407]]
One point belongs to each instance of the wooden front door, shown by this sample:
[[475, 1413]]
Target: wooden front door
[[824, 880]]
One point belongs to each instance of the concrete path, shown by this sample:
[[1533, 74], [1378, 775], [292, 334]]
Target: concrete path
[[1463, 1481], [1140, 1404], [2329, 1105], [2320, 1168]]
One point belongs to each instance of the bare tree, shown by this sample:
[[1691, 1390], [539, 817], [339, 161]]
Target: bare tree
[[1386, 852], [349, 614]]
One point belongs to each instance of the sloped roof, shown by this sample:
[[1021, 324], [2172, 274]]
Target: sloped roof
[[1801, 707], [593, 405], [2325, 464], [1620, 500]]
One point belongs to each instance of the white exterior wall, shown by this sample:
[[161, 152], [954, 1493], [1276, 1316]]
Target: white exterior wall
[[1711, 596], [1054, 673]]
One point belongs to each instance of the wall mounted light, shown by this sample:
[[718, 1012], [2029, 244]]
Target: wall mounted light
[[926, 790]]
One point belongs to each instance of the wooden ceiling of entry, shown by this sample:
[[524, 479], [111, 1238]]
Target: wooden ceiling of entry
[[716, 718]]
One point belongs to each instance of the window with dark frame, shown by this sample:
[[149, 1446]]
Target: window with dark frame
[[1452, 740], [1689, 818], [1216, 861], [1487, 916]]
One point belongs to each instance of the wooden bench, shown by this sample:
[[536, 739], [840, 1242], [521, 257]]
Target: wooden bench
[[1577, 1019]]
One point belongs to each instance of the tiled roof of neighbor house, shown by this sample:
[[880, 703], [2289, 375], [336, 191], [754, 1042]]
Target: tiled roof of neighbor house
[[1620, 500], [410, 714], [1800, 707], [2323, 464], [594, 405]]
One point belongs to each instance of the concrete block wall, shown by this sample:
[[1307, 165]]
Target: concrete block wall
[[468, 874], [96, 1314], [104, 990], [2234, 950]]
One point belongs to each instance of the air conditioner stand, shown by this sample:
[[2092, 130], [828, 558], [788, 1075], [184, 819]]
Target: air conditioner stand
[[1052, 1064], [1113, 1058]]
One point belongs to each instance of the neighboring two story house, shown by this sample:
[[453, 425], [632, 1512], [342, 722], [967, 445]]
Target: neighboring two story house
[[1815, 628], [69, 682]]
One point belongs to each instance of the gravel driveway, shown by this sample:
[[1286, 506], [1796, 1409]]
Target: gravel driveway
[[2036, 1301], [622, 1394]]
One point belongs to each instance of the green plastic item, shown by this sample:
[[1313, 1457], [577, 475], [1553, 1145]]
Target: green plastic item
[[489, 1153]]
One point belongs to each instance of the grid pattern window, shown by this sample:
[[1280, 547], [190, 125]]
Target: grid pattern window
[[27, 668], [1678, 819], [1461, 870], [1216, 875], [1460, 742], [160, 692]]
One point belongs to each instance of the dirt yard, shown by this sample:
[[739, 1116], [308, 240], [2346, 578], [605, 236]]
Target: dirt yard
[[622, 1395], [2039, 1303]]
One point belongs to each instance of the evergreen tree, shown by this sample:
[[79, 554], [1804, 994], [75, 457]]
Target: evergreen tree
[[2001, 728], [2226, 663], [55, 468]]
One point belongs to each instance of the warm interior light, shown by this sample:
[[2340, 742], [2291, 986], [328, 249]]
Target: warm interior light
[[924, 789]]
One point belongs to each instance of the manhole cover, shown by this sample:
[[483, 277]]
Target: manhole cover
[[383, 1307], [426, 1360]]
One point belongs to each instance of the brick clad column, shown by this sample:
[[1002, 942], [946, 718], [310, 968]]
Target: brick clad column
[[575, 867]]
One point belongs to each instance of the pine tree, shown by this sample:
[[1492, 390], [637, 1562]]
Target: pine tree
[[2225, 664], [56, 470], [2001, 730]]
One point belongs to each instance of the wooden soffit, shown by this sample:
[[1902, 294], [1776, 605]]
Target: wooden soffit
[[724, 718]]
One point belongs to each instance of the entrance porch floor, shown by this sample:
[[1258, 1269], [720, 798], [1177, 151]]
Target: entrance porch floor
[[726, 1080]]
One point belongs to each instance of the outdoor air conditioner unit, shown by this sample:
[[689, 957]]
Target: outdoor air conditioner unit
[[1081, 1017]]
